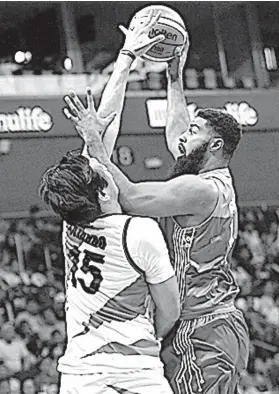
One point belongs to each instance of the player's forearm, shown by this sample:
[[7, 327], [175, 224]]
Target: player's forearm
[[178, 118], [113, 99], [164, 322], [125, 186], [133, 197]]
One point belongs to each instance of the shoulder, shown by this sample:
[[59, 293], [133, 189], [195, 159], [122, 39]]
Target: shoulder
[[143, 226], [144, 233], [196, 190]]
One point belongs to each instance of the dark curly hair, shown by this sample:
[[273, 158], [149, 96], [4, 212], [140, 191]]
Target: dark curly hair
[[71, 188], [226, 126]]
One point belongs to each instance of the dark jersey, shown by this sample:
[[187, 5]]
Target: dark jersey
[[202, 255]]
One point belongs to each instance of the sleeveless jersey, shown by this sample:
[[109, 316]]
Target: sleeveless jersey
[[202, 255], [106, 302]]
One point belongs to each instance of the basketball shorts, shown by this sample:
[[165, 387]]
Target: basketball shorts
[[146, 381], [207, 355]]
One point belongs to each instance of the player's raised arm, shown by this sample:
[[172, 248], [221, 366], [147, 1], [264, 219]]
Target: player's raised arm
[[148, 249], [178, 119], [113, 99], [136, 43]]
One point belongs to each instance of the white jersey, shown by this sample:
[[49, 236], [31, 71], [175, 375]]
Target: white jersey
[[108, 268]]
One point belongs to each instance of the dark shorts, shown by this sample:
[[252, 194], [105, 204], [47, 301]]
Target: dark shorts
[[207, 355]]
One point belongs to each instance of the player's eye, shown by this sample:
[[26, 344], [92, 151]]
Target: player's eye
[[194, 129]]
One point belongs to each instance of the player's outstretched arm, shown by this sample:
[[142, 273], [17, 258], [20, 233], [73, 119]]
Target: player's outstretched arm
[[178, 118], [184, 195]]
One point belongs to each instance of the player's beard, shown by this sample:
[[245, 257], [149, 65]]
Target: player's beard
[[190, 164]]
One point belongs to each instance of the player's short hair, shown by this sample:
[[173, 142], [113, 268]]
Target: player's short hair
[[71, 189], [225, 125]]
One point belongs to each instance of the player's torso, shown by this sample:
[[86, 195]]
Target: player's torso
[[105, 298], [202, 254]]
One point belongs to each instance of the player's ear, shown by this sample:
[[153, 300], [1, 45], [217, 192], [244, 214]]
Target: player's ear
[[103, 195], [216, 144]]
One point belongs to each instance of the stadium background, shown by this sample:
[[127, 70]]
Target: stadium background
[[46, 48]]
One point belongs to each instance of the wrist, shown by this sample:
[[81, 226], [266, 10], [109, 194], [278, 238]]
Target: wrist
[[95, 143], [175, 76], [128, 54]]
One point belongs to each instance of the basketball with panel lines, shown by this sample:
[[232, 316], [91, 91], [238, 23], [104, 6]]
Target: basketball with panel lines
[[170, 24]]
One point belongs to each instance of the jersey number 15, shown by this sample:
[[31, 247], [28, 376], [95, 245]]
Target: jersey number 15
[[86, 267]]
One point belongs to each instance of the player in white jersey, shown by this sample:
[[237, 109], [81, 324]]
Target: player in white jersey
[[111, 271], [112, 346]]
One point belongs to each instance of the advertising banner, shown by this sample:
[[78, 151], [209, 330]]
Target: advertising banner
[[43, 117]]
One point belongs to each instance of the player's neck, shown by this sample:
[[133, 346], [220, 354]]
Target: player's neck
[[214, 163], [110, 209]]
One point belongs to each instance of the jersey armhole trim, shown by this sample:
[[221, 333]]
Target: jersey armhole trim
[[207, 219], [126, 250]]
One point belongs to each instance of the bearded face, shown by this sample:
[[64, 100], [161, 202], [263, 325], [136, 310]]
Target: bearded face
[[191, 163]]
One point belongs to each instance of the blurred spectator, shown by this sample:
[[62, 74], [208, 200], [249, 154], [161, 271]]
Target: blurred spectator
[[59, 301], [5, 387], [48, 373], [13, 351], [51, 324], [5, 372], [31, 315], [24, 330], [27, 387]]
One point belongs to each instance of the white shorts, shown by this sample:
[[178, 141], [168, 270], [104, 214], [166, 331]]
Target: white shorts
[[144, 381]]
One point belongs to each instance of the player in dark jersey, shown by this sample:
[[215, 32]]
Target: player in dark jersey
[[208, 349]]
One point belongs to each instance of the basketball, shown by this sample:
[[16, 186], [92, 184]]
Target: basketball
[[170, 24]]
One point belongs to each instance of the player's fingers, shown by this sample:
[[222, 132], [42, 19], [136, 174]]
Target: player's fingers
[[156, 39], [72, 106], [154, 20], [150, 42], [110, 118], [187, 43], [77, 102], [148, 19], [90, 101], [178, 51], [123, 29], [68, 115]]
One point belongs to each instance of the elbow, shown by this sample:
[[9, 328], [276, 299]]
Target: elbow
[[172, 314]]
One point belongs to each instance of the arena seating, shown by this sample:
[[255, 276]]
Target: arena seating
[[32, 298]]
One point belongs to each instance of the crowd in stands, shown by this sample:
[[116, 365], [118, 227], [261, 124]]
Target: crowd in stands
[[104, 57], [256, 258], [32, 324]]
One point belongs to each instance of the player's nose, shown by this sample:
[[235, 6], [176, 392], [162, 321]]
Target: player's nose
[[183, 138]]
